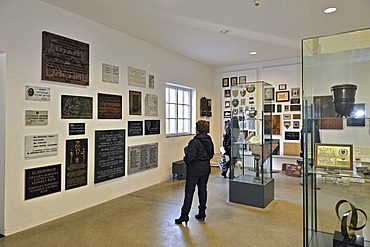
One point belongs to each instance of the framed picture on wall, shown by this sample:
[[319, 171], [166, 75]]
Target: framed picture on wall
[[225, 82], [269, 94], [234, 81], [295, 92], [242, 79], [227, 93], [282, 86], [282, 96]]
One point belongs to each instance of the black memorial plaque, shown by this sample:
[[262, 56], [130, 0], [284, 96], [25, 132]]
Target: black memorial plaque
[[109, 155], [142, 157], [109, 106], [64, 60], [152, 127], [76, 128], [292, 136], [135, 128], [77, 107], [42, 181], [76, 163]]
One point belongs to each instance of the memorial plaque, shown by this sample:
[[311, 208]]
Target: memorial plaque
[[136, 77], [77, 107], [64, 60], [292, 136], [110, 73], [109, 155], [152, 127], [109, 106], [135, 103], [151, 81], [76, 163], [135, 128], [34, 117], [37, 93], [41, 145], [151, 105], [142, 157], [76, 128], [42, 181]]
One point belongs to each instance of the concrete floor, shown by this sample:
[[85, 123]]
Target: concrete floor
[[146, 218]]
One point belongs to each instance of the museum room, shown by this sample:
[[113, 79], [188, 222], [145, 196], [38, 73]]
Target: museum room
[[184, 123]]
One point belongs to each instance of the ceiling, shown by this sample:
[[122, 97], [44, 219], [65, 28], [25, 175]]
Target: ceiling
[[191, 28]]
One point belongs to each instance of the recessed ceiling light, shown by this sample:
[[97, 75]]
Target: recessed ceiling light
[[330, 10], [224, 31], [253, 53]]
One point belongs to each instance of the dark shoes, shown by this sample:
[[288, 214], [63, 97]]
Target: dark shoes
[[182, 218], [200, 216], [224, 174]]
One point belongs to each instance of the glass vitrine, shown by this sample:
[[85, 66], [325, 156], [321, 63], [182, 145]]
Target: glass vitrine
[[251, 180], [336, 135]]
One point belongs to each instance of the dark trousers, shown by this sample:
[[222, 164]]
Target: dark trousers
[[191, 182]]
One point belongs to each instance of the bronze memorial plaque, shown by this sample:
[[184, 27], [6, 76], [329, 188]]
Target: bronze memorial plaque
[[109, 106], [64, 60], [76, 163]]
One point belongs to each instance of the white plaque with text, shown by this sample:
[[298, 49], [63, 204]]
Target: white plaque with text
[[110, 73], [136, 77], [34, 117], [41, 145], [361, 153], [37, 93], [151, 105]]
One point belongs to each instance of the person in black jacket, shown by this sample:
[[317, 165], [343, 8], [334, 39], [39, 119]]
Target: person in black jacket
[[198, 154], [231, 150]]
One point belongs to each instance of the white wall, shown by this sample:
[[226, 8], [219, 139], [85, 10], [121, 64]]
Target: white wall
[[21, 25], [2, 137]]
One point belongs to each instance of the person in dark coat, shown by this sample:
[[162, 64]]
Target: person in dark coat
[[232, 150], [198, 154]]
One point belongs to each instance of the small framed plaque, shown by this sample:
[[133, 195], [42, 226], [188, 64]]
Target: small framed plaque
[[282, 96], [334, 156]]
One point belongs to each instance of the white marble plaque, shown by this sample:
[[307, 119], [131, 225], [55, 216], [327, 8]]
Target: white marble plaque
[[37, 93], [136, 77], [110, 73], [361, 153], [41, 145], [34, 117], [151, 105]]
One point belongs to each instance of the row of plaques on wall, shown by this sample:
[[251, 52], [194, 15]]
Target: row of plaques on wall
[[81, 107], [109, 162]]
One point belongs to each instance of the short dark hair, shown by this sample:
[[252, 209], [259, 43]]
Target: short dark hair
[[202, 126]]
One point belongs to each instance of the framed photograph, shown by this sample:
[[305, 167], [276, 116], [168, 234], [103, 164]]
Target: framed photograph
[[282, 86], [269, 93], [227, 93], [282, 96], [242, 79], [334, 156], [234, 81], [295, 92], [295, 124], [225, 82]]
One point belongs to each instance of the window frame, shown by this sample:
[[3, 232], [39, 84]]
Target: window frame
[[191, 106]]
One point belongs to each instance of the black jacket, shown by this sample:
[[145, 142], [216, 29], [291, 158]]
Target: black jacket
[[198, 154]]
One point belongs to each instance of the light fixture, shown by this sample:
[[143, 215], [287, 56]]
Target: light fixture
[[253, 53], [330, 10], [224, 31]]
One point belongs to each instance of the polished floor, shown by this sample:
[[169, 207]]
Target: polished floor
[[146, 218]]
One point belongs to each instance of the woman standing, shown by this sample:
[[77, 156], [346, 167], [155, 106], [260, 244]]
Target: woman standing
[[197, 158]]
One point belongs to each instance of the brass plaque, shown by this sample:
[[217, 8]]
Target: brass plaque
[[64, 60], [109, 106]]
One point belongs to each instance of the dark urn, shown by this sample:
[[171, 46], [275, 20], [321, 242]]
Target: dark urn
[[344, 99]]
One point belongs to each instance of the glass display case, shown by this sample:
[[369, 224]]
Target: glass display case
[[335, 136], [251, 180]]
